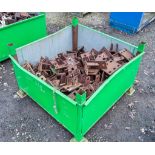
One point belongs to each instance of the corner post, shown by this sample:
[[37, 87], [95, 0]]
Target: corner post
[[141, 47], [80, 99], [75, 33]]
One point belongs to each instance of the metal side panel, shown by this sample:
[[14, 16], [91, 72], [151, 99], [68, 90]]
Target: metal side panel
[[131, 19], [109, 93], [50, 46], [21, 33], [128, 22], [90, 38], [59, 106]]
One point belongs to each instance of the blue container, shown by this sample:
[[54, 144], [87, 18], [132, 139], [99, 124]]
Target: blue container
[[130, 22]]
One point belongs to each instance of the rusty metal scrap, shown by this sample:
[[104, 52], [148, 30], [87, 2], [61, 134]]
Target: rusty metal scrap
[[7, 18], [72, 95], [86, 56], [70, 88], [42, 78], [80, 71], [91, 68], [28, 67], [126, 54], [118, 57], [111, 50], [111, 67]]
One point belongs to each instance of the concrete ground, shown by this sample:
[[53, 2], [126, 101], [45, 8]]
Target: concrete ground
[[131, 119]]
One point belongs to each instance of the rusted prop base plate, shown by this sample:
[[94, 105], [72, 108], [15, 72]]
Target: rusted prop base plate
[[126, 54], [112, 66], [82, 140], [131, 91], [21, 94]]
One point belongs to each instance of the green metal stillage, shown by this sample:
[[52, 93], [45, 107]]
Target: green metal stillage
[[80, 115], [21, 33]]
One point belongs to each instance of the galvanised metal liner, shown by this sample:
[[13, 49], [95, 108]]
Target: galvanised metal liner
[[80, 115], [21, 33]]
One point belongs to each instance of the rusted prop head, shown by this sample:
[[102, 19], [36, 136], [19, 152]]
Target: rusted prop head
[[91, 68], [112, 66], [29, 67], [70, 88], [126, 54]]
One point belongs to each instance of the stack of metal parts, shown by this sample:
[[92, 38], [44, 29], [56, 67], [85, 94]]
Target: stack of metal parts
[[7, 18], [80, 71]]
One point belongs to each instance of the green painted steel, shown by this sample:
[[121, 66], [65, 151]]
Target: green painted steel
[[80, 115], [141, 47], [47, 97], [109, 93], [21, 33], [75, 21]]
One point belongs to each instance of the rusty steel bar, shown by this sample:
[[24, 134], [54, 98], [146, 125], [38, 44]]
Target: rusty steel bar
[[75, 38], [75, 34]]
